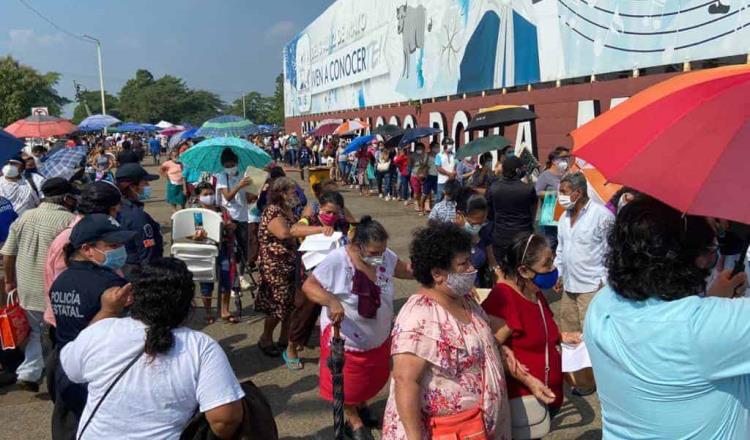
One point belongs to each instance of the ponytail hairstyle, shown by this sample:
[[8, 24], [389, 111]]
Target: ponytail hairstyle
[[369, 231], [163, 300], [526, 250]]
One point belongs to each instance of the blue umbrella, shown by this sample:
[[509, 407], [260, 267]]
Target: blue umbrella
[[414, 134], [206, 155], [182, 136], [97, 122], [130, 127], [228, 125], [358, 143], [63, 162], [150, 127], [9, 146]]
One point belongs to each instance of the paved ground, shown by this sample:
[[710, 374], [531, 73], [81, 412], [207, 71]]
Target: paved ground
[[300, 414]]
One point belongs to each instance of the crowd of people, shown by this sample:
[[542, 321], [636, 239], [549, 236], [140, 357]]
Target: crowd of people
[[475, 352]]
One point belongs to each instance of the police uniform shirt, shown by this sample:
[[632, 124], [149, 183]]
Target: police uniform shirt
[[148, 245], [76, 296]]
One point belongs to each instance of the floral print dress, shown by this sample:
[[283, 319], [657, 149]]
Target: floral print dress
[[464, 367], [276, 260]]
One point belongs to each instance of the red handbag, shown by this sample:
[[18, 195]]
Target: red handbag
[[14, 326], [466, 425]]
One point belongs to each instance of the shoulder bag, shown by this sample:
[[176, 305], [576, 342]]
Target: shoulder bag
[[530, 418], [464, 425], [106, 393]]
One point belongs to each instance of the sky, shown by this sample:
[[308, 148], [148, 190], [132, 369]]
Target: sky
[[224, 46]]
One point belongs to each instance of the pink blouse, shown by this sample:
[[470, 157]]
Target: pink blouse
[[464, 367]]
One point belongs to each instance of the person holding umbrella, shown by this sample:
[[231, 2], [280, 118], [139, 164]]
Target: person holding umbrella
[[658, 263], [355, 286]]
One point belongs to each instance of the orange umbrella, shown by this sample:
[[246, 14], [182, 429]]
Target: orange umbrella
[[39, 126], [349, 127], [683, 141]]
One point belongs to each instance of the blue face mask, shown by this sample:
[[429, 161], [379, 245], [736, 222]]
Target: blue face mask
[[546, 280], [114, 258], [146, 194]]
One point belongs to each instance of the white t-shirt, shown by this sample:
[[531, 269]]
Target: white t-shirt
[[156, 397], [336, 274], [446, 162], [20, 194], [238, 208]]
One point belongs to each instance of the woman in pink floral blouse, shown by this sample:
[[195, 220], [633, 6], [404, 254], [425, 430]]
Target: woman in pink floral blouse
[[445, 360]]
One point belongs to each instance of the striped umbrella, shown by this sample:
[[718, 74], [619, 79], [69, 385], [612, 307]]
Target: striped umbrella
[[41, 126], [64, 162], [349, 127], [228, 125]]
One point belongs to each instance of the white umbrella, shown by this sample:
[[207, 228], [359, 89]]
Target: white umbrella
[[164, 124]]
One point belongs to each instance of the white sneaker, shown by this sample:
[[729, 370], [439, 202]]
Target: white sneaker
[[380, 195], [387, 198]]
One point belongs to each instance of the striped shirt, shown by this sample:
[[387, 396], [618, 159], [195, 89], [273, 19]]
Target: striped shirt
[[28, 240]]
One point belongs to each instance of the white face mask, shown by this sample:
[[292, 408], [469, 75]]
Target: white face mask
[[209, 200], [460, 283], [565, 201], [562, 165], [231, 171], [10, 171]]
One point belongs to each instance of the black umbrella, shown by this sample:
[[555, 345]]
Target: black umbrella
[[387, 131], [336, 366], [499, 116]]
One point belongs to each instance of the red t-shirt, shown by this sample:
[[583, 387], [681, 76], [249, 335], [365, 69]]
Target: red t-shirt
[[402, 162], [527, 340]]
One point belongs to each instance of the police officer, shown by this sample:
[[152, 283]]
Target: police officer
[[148, 245], [88, 290]]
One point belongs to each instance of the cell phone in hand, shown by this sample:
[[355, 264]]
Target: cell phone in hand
[[739, 266], [198, 219]]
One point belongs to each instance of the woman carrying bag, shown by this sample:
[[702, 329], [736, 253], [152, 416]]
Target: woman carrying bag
[[525, 324]]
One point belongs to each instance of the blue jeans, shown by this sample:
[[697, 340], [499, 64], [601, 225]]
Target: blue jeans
[[404, 187], [33, 363], [344, 170], [440, 187]]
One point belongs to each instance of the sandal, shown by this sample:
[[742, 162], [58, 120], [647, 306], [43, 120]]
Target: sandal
[[230, 319], [269, 350], [294, 364]]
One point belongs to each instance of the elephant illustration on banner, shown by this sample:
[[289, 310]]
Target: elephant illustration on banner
[[411, 26]]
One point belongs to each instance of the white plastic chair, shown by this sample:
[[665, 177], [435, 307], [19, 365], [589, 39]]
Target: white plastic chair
[[199, 256]]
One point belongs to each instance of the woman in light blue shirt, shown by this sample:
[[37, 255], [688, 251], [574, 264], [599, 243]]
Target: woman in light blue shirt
[[669, 363]]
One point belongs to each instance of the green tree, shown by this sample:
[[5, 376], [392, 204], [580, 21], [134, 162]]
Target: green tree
[[200, 106], [94, 100], [22, 87], [277, 102], [257, 108]]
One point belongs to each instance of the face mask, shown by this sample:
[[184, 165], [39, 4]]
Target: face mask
[[374, 261], [460, 284], [146, 194], [115, 258], [546, 280], [231, 171], [565, 201], [562, 165], [472, 229], [420, 152], [510, 153], [207, 200], [328, 219], [10, 171]]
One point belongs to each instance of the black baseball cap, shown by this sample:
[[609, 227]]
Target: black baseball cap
[[58, 186], [96, 227], [134, 171]]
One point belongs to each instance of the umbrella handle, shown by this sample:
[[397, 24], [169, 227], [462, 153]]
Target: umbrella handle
[[337, 330]]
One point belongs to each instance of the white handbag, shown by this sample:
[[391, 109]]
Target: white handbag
[[530, 418]]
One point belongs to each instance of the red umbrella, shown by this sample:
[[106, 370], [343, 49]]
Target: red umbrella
[[685, 141], [39, 126], [170, 131], [326, 129]]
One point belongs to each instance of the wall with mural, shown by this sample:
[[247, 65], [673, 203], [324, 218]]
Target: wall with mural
[[363, 53]]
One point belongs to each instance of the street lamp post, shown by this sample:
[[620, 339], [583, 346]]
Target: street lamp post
[[101, 72]]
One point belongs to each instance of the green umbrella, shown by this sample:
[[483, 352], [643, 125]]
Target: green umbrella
[[206, 156], [482, 145]]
